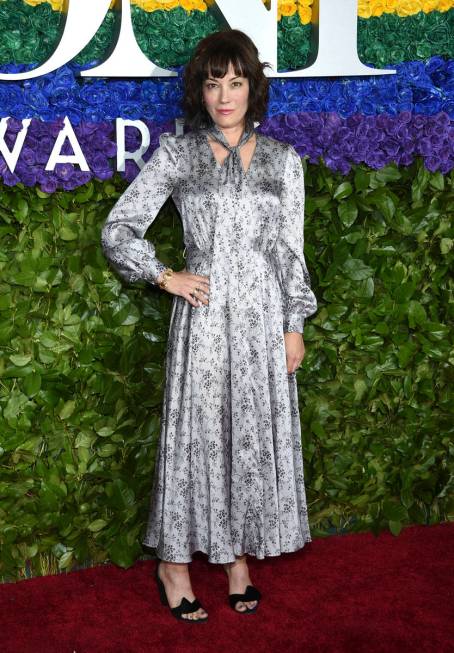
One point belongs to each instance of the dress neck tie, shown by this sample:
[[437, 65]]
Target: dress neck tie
[[232, 165]]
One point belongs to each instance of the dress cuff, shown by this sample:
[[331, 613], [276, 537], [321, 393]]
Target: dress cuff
[[155, 270], [293, 320]]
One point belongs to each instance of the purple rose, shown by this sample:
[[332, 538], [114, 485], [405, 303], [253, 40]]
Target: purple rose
[[28, 156], [64, 170], [28, 174]]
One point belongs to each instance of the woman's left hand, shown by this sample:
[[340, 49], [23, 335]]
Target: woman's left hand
[[294, 350]]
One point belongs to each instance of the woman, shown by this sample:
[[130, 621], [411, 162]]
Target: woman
[[229, 473]]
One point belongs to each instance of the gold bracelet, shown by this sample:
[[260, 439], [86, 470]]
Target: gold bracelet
[[167, 274]]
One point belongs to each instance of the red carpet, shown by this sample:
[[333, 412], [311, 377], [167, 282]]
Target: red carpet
[[344, 593]]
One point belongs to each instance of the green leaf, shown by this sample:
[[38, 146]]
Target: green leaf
[[68, 409], [317, 428], [68, 233], [122, 553], [85, 439], [395, 527], [106, 450], [66, 560], [356, 269], [348, 211], [20, 359], [21, 211], [343, 190], [362, 179], [437, 181], [32, 383], [105, 431], [97, 525], [384, 202], [388, 173], [446, 245], [416, 313], [394, 511]]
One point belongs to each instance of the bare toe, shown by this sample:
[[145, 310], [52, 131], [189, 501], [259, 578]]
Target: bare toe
[[195, 616]]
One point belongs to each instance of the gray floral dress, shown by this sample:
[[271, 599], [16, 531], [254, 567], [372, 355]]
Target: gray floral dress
[[229, 475]]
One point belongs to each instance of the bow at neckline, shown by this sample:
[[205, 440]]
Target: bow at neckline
[[232, 164]]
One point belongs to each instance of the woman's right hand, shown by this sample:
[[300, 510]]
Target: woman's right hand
[[193, 287]]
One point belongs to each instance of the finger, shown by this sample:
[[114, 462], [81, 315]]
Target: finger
[[197, 297], [200, 298], [198, 289], [191, 300], [203, 279], [199, 293], [293, 365]]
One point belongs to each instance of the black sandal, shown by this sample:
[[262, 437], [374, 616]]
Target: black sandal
[[251, 594], [185, 605]]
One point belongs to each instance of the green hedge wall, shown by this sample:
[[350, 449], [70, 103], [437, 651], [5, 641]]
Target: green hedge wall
[[82, 366]]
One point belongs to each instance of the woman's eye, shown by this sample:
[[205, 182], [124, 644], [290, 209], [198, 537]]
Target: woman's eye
[[237, 83]]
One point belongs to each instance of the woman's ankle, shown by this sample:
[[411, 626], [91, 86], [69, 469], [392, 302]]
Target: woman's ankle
[[176, 567]]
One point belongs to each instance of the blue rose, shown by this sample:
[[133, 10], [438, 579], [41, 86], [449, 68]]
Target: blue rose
[[427, 101], [95, 93]]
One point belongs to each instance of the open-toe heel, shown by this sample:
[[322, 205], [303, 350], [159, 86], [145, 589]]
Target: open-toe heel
[[185, 606], [251, 594]]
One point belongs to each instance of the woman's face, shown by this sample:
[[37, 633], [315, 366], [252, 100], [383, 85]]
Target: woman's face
[[226, 98]]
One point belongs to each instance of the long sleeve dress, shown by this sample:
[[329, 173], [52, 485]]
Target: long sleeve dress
[[229, 475]]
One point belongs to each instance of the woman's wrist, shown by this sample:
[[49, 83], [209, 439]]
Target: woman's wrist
[[164, 277], [160, 277]]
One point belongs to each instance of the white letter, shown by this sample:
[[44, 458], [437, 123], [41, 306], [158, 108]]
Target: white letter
[[12, 156], [136, 156], [57, 157], [127, 59], [335, 24], [82, 22]]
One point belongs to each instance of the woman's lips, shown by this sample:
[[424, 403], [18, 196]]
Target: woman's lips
[[225, 111]]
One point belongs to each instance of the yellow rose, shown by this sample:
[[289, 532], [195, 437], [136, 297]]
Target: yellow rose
[[146, 5], [377, 7], [364, 10], [305, 14], [445, 5], [305, 3], [391, 6], [191, 5], [408, 8], [429, 5], [34, 3], [286, 7], [168, 4], [154, 5]]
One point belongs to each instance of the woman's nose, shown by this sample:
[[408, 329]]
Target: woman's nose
[[224, 94]]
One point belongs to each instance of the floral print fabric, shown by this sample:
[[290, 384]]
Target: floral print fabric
[[229, 475]]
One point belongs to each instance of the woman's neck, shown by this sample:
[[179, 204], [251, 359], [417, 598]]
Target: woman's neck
[[232, 134]]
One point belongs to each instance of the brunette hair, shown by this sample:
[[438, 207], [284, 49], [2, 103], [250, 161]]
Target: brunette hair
[[211, 58]]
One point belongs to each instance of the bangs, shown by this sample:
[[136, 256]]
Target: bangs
[[217, 63]]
